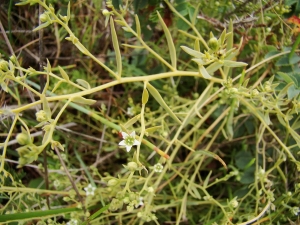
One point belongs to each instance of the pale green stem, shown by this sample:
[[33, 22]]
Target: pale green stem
[[12, 126]]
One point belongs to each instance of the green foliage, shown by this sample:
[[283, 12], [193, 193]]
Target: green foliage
[[175, 121]]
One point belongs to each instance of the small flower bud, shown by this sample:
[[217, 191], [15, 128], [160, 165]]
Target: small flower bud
[[3, 65], [112, 182], [234, 203], [126, 200], [132, 166], [105, 12], [23, 139], [44, 18], [41, 116], [213, 44], [255, 92]]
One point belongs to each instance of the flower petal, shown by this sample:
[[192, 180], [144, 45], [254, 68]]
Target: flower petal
[[132, 134], [122, 143], [124, 135], [136, 142], [128, 148]]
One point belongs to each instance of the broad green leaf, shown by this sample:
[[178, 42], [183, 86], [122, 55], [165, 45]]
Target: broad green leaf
[[169, 41], [292, 92], [116, 47], [285, 77], [160, 100], [284, 91], [84, 101], [83, 83]]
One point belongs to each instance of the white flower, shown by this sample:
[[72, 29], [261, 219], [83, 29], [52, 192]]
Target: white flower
[[234, 203], [295, 210], [72, 222], [141, 203], [158, 167], [89, 190], [130, 111], [129, 140]]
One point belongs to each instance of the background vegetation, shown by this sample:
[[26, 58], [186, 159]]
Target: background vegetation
[[211, 89]]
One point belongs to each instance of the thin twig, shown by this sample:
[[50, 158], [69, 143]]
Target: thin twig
[[70, 177]]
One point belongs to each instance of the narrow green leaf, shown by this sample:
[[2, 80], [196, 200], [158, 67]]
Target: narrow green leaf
[[132, 121], [213, 67], [204, 72], [197, 45], [84, 101], [96, 214], [145, 97], [69, 12], [43, 25], [230, 63], [196, 54], [63, 74], [120, 22], [169, 41], [83, 83], [151, 130], [295, 136], [205, 183], [160, 100], [116, 47], [295, 45], [211, 154], [194, 192], [133, 46], [138, 25], [46, 107]]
